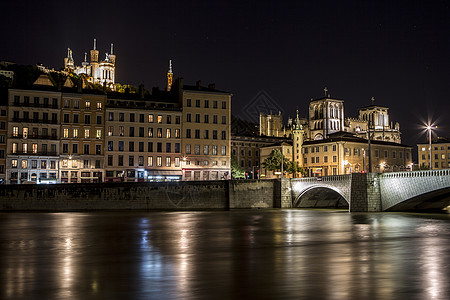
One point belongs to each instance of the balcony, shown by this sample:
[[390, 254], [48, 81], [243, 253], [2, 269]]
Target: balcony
[[39, 153], [36, 105], [40, 121], [34, 137]]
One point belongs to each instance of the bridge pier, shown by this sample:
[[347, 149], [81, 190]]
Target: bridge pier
[[365, 193]]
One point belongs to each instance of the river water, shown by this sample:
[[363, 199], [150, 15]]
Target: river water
[[250, 254]]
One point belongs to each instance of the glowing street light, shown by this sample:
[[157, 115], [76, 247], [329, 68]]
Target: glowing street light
[[429, 128]]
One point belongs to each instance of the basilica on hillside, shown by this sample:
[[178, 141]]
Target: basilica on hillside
[[96, 71]]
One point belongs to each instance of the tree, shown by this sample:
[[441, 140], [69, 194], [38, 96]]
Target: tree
[[236, 170], [273, 163]]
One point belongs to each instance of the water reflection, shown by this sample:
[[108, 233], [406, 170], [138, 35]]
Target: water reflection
[[224, 255]]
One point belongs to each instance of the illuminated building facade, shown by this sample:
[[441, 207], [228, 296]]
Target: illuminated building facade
[[33, 136], [143, 140], [440, 154], [206, 132], [82, 137], [96, 71]]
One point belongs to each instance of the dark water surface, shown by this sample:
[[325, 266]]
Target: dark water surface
[[275, 254]]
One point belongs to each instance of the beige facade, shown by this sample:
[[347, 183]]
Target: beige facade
[[284, 148], [440, 154], [143, 140], [347, 154], [247, 151], [33, 136], [206, 133], [82, 137]]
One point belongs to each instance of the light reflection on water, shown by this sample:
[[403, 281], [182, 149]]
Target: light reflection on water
[[289, 254]]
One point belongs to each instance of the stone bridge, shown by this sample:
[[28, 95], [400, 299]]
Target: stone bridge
[[400, 191]]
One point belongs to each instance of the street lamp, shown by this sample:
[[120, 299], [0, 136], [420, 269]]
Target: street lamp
[[429, 128]]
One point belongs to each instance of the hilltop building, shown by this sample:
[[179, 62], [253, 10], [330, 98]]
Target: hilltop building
[[96, 71]]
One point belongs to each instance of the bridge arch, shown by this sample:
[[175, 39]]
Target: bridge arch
[[428, 201], [320, 196]]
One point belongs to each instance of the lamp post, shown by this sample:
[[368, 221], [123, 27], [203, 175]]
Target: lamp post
[[429, 143]]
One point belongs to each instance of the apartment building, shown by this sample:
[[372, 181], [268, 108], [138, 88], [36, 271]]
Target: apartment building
[[82, 137], [143, 140], [440, 154], [3, 135], [33, 136], [206, 128]]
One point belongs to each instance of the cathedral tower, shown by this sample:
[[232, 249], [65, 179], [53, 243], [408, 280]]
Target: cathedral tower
[[169, 76], [297, 140], [326, 116]]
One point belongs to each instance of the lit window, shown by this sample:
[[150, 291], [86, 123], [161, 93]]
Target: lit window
[[87, 105], [160, 118], [99, 106], [34, 148], [110, 131], [24, 148], [177, 161], [14, 147], [66, 132], [158, 161], [150, 161], [75, 133], [86, 133], [15, 131], [177, 133], [150, 118], [168, 133], [24, 164], [98, 134], [14, 163], [168, 161]]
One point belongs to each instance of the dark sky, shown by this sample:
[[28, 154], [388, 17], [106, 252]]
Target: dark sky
[[395, 51]]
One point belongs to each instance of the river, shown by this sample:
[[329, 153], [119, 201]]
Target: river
[[249, 254]]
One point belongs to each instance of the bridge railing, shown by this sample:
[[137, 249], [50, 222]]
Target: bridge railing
[[426, 173], [324, 178]]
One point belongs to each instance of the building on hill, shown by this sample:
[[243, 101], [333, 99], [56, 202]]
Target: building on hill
[[97, 71]]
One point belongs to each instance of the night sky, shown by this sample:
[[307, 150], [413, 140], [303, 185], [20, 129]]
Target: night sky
[[395, 51]]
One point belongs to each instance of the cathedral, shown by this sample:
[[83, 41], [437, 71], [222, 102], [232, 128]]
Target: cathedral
[[96, 71], [326, 116]]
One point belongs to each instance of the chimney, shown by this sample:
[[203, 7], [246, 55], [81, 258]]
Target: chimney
[[80, 85], [212, 86], [199, 84], [141, 91]]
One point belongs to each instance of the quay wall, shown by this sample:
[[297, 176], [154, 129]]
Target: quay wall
[[187, 195]]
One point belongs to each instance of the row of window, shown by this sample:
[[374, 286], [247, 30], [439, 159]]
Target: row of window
[[151, 161], [86, 149], [33, 164], [437, 156], [26, 116], [36, 101], [249, 152], [131, 148], [151, 118], [316, 149], [34, 132], [316, 160], [207, 150], [76, 119], [205, 118], [206, 103], [205, 134], [87, 104], [87, 133], [34, 148], [150, 132]]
